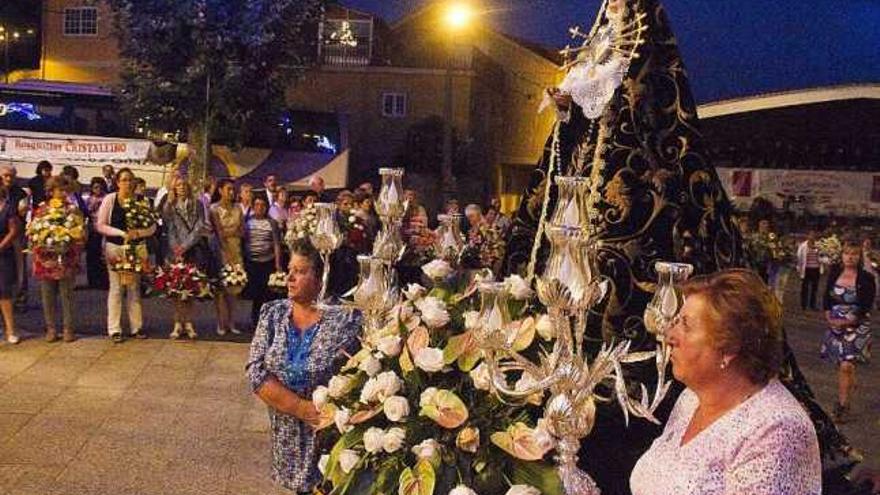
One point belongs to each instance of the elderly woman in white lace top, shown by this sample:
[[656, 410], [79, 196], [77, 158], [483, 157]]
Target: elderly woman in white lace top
[[736, 429]]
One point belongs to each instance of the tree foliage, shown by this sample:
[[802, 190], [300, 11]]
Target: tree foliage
[[246, 51]]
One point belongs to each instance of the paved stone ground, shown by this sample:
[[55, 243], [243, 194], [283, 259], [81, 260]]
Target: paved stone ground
[[156, 417]]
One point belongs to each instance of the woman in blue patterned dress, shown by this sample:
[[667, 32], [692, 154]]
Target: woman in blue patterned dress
[[297, 347], [849, 297]]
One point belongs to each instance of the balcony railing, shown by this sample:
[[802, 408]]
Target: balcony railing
[[346, 56]]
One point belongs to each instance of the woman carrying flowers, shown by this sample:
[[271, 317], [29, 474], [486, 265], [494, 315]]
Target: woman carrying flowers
[[57, 236], [185, 219], [296, 348], [228, 221], [125, 226]]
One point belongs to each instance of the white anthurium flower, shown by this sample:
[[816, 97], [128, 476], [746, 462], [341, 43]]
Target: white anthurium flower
[[462, 490], [396, 408], [348, 459], [518, 287], [341, 418], [433, 311], [320, 396], [471, 319], [322, 464], [545, 328], [437, 269], [393, 440], [430, 359], [339, 386], [523, 490], [371, 366], [373, 439], [427, 450], [414, 292], [481, 377], [390, 345]]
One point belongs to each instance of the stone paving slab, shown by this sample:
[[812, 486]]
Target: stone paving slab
[[155, 417]]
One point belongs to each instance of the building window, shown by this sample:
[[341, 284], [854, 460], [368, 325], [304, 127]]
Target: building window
[[81, 21], [394, 105]]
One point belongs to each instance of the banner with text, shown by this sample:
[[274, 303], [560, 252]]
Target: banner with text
[[819, 191], [32, 146]]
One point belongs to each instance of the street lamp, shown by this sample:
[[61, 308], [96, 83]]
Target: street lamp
[[11, 35], [457, 17]]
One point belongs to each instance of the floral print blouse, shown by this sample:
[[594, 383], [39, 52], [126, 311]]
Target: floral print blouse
[[301, 361], [765, 446]]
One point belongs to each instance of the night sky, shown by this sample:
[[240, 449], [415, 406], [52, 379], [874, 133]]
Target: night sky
[[730, 48]]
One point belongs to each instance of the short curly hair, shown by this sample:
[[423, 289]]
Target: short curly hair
[[747, 319]]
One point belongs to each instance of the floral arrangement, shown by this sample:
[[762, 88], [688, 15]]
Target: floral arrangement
[[412, 411], [233, 278], [55, 228], [771, 248], [133, 261], [139, 214], [278, 282], [182, 281], [303, 226], [830, 250], [355, 232], [485, 247]]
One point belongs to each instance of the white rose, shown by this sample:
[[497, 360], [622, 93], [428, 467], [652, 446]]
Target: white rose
[[370, 391], [395, 408], [427, 396], [393, 440], [437, 269], [322, 463], [544, 327], [390, 345], [518, 287], [523, 490], [348, 459], [389, 384], [339, 386], [430, 359], [471, 319], [371, 366], [320, 396], [433, 311], [481, 377], [462, 490], [341, 420], [414, 291], [373, 440], [427, 450]]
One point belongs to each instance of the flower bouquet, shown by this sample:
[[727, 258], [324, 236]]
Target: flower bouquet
[[278, 282], [485, 248], [355, 232], [303, 226], [133, 261], [139, 214], [830, 250], [413, 413], [233, 278], [55, 235], [182, 281]]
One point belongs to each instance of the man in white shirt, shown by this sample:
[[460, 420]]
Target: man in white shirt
[[809, 269]]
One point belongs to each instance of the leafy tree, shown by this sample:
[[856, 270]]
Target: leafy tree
[[212, 70]]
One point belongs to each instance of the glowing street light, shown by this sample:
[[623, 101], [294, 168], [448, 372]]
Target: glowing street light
[[459, 15]]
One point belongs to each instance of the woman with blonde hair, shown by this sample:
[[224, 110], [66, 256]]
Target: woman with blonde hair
[[228, 220], [184, 217]]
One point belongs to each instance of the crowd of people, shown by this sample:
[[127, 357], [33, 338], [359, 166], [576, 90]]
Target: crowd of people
[[224, 225]]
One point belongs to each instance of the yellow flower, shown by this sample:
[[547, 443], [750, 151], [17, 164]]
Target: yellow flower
[[468, 439]]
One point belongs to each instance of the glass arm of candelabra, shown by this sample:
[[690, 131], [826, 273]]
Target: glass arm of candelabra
[[499, 382], [325, 277]]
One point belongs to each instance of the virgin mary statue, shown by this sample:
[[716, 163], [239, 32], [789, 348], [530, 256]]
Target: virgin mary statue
[[627, 121]]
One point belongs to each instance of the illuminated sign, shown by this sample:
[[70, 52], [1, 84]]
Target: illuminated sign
[[26, 109]]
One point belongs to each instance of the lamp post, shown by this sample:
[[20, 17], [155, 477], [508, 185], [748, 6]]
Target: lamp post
[[457, 18], [10, 35]]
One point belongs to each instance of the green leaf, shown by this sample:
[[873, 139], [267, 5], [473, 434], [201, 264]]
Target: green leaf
[[540, 475]]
